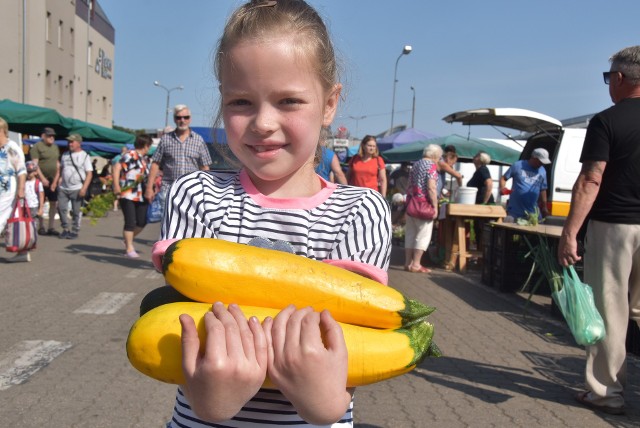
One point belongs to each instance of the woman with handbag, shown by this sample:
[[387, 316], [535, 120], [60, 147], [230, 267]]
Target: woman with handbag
[[13, 175], [422, 208]]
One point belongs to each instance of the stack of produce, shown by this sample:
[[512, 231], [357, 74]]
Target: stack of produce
[[386, 333]]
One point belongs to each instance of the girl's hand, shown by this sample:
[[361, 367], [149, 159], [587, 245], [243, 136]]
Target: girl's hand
[[308, 363], [232, 367]]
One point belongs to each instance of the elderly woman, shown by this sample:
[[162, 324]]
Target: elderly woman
[[367, 169], [481, 179], [13, 174], [418, 232]]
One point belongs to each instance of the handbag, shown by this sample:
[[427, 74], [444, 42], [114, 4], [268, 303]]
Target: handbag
[[21, 232], [575, 300], [418, 206]]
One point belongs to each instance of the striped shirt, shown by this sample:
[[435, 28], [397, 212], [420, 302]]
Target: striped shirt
[[177, 158], [343, 225]]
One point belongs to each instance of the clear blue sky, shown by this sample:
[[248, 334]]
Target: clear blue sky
[[542, 55]]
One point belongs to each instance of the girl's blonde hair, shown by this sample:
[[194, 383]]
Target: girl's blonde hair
[[260, 20]]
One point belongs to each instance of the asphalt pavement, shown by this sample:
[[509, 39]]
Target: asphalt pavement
[[65, 318]]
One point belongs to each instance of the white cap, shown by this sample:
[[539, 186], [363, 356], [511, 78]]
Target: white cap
[[542, 155]]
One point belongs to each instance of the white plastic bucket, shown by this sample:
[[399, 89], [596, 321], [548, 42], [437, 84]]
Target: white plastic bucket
[[466, 195]]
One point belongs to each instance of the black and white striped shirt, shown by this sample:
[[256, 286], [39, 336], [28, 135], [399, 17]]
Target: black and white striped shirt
[[342, 225]]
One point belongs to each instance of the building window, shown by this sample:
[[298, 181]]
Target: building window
[[70, 103], [72, 41], [60, 34], [89, 102], [47, 27], [47, 84], [60, 90], [89, 49]]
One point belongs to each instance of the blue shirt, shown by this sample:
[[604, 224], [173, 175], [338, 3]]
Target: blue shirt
[[324, 167], [528, 182]]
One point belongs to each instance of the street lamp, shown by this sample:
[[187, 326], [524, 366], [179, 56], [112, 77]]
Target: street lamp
[[413, 107], [357, 119], [405, 51], [166, 111]]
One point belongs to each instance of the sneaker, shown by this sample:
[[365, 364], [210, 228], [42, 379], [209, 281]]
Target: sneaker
[[42, 231], [72, 235], [64, 235], [20, 258], [53, 232], [132, 254]]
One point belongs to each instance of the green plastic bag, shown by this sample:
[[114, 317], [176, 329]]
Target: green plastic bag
[[575, 300]]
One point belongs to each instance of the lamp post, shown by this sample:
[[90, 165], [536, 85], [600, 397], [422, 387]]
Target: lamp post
[[405, 51], [357, 119], [413, 107], [166, 111]]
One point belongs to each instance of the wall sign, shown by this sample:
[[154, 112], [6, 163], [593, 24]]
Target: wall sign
[[104, 65]]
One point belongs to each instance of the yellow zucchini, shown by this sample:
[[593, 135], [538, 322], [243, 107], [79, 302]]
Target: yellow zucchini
[[154, 346], [214, 270]]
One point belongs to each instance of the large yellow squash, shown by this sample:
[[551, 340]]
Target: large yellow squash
[[154, 346], [214, 270]]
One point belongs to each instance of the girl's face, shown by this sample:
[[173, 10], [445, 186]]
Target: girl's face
[[274, 106], [370, 147]]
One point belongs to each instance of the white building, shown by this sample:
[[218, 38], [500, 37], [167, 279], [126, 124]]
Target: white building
[[52, 57]]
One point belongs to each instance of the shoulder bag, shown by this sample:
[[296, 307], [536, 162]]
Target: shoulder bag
[[418, 205], [21, 229]]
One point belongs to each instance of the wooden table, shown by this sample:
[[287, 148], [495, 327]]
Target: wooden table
[[455, 235], [542, 229]]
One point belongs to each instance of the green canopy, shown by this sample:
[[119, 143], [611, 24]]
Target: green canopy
[[30, 119], [465, 147], [91, 132]]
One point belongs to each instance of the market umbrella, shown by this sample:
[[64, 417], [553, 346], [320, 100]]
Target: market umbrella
[[30, 119], [466, 148], [92, 132], [406, 136]]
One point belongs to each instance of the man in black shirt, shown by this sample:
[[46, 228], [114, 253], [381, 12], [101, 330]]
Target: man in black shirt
[[607, 192]]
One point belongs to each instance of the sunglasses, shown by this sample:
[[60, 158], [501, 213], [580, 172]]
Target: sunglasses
[[182, 117], [607, 76]]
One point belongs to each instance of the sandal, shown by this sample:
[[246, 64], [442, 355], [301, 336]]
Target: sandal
[[582, 399], [132, 254], [421, 269]]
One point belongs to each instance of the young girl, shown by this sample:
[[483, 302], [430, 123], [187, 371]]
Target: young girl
[[34, 193], [279, 85]]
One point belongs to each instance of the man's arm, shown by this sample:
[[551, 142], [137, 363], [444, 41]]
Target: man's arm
[[337, 171], [584, 193], [56, 177], [86, 184], [449, 170], [153, 173], [542, 203]]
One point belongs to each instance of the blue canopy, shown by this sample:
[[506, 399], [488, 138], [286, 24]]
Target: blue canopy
[[406, 136], [211, 135]]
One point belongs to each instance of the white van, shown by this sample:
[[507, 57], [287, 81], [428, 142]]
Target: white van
[[563, 144]]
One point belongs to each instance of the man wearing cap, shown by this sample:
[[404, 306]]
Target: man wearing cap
[[46, 155], [529, 187], [75, 177]]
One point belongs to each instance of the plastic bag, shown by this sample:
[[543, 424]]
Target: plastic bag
[[155, 210], [576, 303]]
